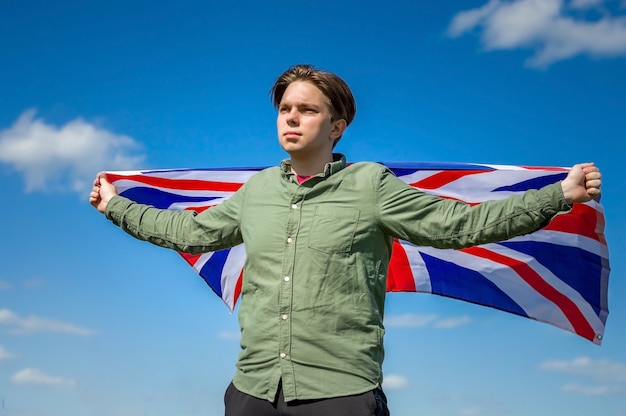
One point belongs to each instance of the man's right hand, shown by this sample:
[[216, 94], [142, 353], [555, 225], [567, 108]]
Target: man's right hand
[[101, 192]]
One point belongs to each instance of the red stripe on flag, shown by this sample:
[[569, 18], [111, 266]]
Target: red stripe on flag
[[399, 274], [238, 288], [179, 184], [443, 178], [583, 220], [566, 305], [190, 258], [600, 224], [199, 209]]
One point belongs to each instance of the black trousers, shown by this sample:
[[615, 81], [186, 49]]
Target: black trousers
[[371, 403]]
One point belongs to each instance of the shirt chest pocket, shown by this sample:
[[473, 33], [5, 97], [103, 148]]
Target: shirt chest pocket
[[333, 229]]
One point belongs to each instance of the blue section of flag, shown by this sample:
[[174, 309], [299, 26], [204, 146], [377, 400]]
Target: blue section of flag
[[211, 272], [534, 183], [451, 280], [160, 199], [561, 260]]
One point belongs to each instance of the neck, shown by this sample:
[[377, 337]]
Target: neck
[[309, 166]]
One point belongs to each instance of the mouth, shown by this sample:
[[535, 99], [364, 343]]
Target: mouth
[[291, 135]]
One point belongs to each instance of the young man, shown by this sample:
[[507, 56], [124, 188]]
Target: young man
[[318, 237]]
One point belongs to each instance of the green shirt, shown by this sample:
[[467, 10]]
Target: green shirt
[[312, 301]]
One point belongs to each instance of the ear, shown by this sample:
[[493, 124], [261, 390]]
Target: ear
[[339, 126]]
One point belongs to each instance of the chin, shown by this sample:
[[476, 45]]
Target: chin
[[290, 147]]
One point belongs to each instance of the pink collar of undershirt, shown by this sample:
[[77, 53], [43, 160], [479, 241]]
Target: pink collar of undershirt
[[302, 179]]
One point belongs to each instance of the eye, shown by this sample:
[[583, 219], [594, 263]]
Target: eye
[[283, 109]]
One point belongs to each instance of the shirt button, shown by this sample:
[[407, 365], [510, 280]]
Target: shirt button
[[284, 317], [290, 240], [286, 278], [283, 355], [294, 206]]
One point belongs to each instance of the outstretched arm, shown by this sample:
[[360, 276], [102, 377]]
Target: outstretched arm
[[181, 230], [582, 183], [428, 220], [101, 192]]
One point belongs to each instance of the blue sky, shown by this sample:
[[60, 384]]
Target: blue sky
[[95, 323]]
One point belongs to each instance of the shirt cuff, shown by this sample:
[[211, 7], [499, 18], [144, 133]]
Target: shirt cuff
[[554, 200], [116, 207]]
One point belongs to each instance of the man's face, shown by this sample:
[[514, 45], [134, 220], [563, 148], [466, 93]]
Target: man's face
[[304, 122]]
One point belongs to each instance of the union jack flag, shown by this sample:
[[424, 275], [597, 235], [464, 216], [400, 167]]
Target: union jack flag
[[558, 275]]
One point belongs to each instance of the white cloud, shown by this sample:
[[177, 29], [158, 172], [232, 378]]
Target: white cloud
[[26, 284], [395, 382], [33, 283], [229, 335], [545, 27], [468, 20], [452, 322], [32, 324], [610, 375], [598, 370], [32, 376], [64, 158], [4, 354], [420, 321], [473, 411], [602, 390], [409, 320]]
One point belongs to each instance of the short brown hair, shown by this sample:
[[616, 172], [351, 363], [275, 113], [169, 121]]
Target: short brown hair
[[341, 100]]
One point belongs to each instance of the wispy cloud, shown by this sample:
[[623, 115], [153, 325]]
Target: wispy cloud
[[26, 284], [64, 158], [33, 376], [452, 322], [419, 321], [610, 375], [553, 29], [600, 390], [395, 382], [229, 335], [33, 324], [599, 370], [472, 411], [33, 283], [4, 354]]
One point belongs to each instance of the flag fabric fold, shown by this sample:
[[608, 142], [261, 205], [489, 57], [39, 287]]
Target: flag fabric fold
[[557, 275]]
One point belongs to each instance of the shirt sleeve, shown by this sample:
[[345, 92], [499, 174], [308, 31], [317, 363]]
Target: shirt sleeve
[[427, 220], [213, 229]]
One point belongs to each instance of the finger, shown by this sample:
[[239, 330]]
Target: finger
[[101, 176], [593, 192], [593, 184], [591, 169], [585, 165]]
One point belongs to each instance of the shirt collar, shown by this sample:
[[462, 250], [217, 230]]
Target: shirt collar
[[338, 163]]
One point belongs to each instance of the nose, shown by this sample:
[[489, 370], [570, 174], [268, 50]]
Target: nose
[[292, 117]]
